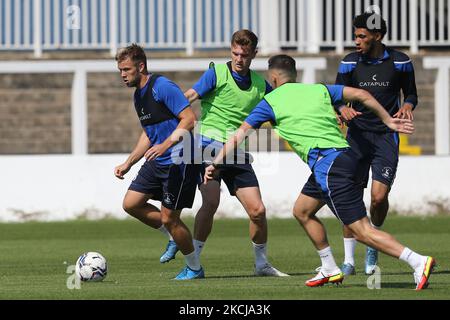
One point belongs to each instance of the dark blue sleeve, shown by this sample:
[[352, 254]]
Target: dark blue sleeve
[[346, 67], [344, 76], [409, 88], [336, 93], [206, 83], [170, 94], [408, 82], [268, 88], [263, 112], [404, 66]]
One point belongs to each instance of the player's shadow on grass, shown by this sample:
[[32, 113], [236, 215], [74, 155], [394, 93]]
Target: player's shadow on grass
[[388, 285], [399, 285], [435, 272], [302, 273], [254, 276], [441, 272], [398, 273]]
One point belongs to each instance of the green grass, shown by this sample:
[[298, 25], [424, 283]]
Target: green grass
[[34, 258]]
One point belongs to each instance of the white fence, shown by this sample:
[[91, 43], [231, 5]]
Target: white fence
[[305, 25], [411, 23], [85, 186]]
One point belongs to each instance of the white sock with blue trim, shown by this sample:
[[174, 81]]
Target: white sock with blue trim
[[260, 250], [198, 246], [166, 232], [349, 251], [192, 261]]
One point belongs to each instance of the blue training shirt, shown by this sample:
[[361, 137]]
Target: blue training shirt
[[263, 112], [208, 81], [168, 93], [385, 78]]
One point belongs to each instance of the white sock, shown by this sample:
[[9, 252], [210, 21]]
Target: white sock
[[415, 260], [349, 249], [192, 261], [166, 232], [328, 263], [260, 254], [198, 247]]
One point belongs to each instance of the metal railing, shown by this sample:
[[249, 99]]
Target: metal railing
[[304, 25], [411, 23], [107, 24]]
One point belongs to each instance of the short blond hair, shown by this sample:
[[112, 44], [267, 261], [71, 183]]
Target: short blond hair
[[244, 38]]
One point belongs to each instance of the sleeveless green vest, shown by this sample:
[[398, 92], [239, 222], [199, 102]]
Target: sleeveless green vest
[[227, 106], [305, 117]]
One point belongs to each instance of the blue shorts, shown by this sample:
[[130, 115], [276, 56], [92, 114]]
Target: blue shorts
[[378, 151], [235, 176], [334, 180], [236, 172], [173, 185]]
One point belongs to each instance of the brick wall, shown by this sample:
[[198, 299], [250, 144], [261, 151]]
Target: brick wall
[[113, 124], [35, 113], [35, 110]]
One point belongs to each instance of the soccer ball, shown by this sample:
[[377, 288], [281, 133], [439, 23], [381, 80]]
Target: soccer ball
[[91, 266]]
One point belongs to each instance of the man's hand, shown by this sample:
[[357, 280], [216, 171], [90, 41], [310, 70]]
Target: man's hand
[[405, 112], [348, 113], [405, 126], [209, 173], [155, 151], [339, 121], [122, 170]]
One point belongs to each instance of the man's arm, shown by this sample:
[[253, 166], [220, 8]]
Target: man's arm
[[408, 85], [401, 125], [205, 84], [229, 146], [138, 152], [263, 112], [344, 77], [191, 95], [186, 124]]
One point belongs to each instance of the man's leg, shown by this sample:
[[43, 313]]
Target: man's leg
[[250, 198], [379, 204], [348, 267], [136, 205], [205, 215], [305, 209], [379, 207], [380, 240], [360, 143], [183, 238], [386, 243], [384, 167]]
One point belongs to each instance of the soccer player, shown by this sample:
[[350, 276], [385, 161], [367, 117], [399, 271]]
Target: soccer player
[[166, 116], [228, 93], [383, 72], [303, 115]]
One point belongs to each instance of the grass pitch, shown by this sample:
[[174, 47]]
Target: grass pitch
[[34, 258]]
